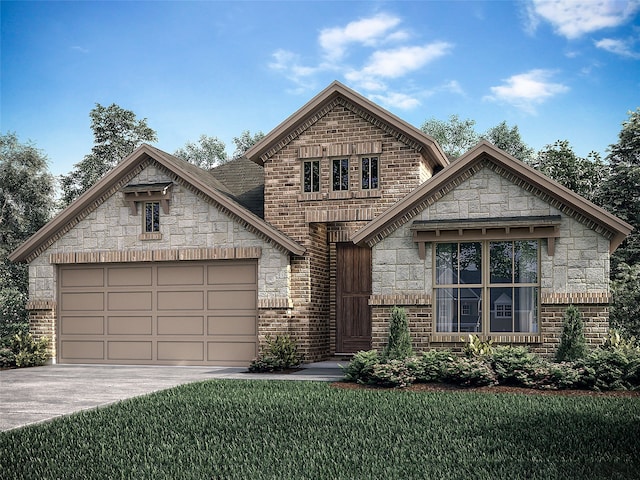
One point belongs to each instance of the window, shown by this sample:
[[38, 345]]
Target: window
[[340, 174], [487, 287], [151, 217], [311, 176], [369, 172]]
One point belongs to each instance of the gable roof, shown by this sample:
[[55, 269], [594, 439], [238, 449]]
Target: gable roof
[[437, 186], [323, 102], [245, 181], [198, 179]]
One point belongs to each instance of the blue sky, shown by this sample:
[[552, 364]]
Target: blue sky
[[558, 70]]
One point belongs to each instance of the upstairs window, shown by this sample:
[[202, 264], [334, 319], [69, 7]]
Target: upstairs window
[[340, 174], [151, 217], [311, 176], [369, 171]]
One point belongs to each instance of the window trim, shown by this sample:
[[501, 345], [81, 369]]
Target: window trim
[[485, 286]]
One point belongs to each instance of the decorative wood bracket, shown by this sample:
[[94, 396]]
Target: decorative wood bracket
[[507, 228], [148, 192]]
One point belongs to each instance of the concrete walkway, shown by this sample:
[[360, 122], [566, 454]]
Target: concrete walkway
[[32, 395]]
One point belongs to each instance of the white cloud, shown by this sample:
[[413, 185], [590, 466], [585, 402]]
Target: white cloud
[[573, 18], [526, 90], [398, 100], [367, 31], [619, 47], [80, 49]]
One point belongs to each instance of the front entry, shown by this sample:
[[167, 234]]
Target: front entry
[[353, 288]]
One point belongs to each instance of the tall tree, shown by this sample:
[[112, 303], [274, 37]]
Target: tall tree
[[116, 133], [245, 141], [583, 176], [26, 199], [454, 136], [509, 140], [620, 193], [207, 153]]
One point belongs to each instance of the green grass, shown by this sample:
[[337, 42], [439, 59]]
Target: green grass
[[267, 429]]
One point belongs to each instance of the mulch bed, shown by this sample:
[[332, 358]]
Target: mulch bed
[[442, 387]]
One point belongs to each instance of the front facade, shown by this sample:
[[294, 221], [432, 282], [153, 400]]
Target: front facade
[[342, 212]]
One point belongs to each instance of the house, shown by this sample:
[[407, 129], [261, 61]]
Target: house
[[338, 214]]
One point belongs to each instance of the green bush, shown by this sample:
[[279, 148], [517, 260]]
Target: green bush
[[470, 372], [573, 345], [431, 365], [609, 370], [392, 373], [360, 368], [7, 357], [517, 366], [28, 351], [474, 347], [280, 353], [399, 345], [625, 307]]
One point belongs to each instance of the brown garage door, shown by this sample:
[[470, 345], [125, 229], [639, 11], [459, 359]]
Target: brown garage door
[[188, 313]]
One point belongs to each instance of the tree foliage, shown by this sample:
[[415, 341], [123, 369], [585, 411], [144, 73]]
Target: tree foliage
[[26, 198], [207, 153], [245, 141], [509, 140], [455, 136], [625, 308], [583, 176], [116, 133]]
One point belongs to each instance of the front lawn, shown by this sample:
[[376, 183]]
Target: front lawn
[[226, 429]]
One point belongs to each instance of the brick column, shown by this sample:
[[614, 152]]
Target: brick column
[[42, 323]]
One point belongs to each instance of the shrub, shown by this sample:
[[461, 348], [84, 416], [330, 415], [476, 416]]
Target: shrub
[[360, 368], [399, 345], [30, 352], [617, 340], [475, 347], [572, 343], [625, 307], [280, 353], [7, 357], [430, 366], [517, 366], [392, 373], [470, 372], [609, 370]]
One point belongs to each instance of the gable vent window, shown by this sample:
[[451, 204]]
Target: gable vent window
[[151, 217], [369, 173], [152, 197], [340, 174]]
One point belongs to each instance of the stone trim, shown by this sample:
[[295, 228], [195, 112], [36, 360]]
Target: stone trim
[[41, 305], [579, 298], [275, 303], [129, 256], [497, 338], [400, 299]]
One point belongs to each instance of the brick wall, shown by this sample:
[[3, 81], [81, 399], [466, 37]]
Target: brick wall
[[42, 323]]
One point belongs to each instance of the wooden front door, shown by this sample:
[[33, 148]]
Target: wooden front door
[[353, 288]]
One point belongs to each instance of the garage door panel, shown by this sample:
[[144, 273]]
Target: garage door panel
[[130, 325], [180, 325], [232, 325], [181, 300], [187, 351], [129, 350], [130, 276], [85, 277], [133, 301], [85, 301], [226, 273], [232, 300], [182, 275], [177, 313], [83, 325], [82, 350], [236, 352]]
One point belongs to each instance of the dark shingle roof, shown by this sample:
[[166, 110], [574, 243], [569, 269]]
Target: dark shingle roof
[[243, 181]]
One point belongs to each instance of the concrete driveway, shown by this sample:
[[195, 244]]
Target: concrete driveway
[[31, 395]]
